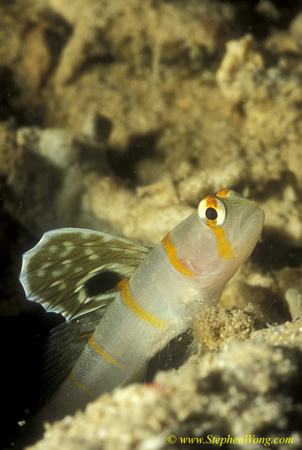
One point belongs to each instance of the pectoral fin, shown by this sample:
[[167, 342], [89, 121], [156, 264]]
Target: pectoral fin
[[64, 346]]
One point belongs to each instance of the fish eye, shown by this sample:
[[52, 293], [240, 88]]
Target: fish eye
[[212, 211]]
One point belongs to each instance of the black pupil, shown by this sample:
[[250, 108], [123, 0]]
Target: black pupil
[[211, 214]]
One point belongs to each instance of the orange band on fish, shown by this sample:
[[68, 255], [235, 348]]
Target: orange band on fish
[[74, 381], [171, 252], [103, 353], [223, 193], [136, 308], [223, 247], [211, 201]]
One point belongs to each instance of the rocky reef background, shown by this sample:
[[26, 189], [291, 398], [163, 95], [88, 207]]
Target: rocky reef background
[[120, 116]]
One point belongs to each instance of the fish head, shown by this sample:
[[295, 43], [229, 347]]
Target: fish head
[[218, 239]]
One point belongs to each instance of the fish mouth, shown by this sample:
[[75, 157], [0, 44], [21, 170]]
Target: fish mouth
[[248, 232], [254, 221], [252, 226]]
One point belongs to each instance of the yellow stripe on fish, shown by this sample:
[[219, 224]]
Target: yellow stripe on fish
[[223, 247], [172, 255], [136, 308], [123, 301], [223, 193], [73, 379], [96, 347], [214, 216]]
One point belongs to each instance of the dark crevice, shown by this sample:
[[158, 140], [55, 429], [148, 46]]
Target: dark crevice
[[124, 163], [24, 336], [276, 251], [9, 91]]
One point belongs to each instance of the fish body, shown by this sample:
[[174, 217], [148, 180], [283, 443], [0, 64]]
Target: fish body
[[142, 298]]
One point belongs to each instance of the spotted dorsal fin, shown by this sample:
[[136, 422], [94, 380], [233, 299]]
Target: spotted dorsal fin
[[73, 271]]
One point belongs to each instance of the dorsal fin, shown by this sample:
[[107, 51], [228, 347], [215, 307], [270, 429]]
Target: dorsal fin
[[73, 271]]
